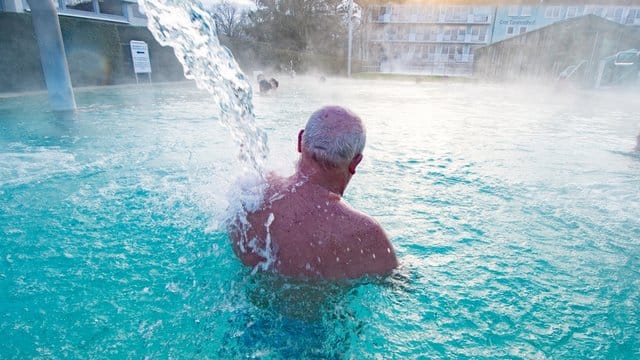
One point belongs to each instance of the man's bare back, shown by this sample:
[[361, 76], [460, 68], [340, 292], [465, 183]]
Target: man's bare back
[[303, 227], [314, 233]]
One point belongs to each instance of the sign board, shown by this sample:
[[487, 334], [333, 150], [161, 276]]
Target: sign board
[[140, 57]]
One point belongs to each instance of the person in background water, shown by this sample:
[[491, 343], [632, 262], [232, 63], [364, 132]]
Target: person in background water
[[265, 86], [304, 228], [274, 83]]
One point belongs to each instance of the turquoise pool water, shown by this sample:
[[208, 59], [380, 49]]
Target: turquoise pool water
[[514, 211]]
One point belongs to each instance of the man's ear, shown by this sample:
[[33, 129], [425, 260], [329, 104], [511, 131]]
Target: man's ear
[[354, 163], [300, 141]]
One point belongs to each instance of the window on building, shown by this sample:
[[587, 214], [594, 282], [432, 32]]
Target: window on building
[[526, 10], [91, 6], [108, 7], [390, 33], [402, 34], [572, 11], [111, 7], [425, 33], [480, 14], [412, 34], [413, 16], [630, 16], [552, 12], [384, 13], [618, 14], [522, 30], [461, 33], [409, 49], [513, 10], [137, 12], [460, 13], [609, 12], [510, 30]]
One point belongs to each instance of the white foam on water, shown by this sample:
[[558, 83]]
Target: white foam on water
[[26, 164]]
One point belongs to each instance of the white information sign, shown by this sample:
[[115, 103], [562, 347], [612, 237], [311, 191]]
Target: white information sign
[[140, 56]]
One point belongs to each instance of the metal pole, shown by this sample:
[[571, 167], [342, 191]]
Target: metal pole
[[54, 61], [350, 38]]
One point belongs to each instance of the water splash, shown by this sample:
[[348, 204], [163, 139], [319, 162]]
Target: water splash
[[190, 30]]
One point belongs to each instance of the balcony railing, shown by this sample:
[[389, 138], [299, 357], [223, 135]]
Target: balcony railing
[[441, 19], [440, 38]]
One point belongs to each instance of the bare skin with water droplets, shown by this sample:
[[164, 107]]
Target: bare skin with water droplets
[[314, 232]]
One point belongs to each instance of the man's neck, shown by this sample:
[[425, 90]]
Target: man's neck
[[333, 180]]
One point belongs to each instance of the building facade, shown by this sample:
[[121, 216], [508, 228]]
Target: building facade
[[519, 19], [424, 39], [118, 11], [577, 54], [441, 39]]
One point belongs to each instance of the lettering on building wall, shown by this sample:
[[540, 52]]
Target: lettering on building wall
[[517, 22]]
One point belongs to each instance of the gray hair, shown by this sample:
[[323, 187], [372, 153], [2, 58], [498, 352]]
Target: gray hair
[[334, 135]]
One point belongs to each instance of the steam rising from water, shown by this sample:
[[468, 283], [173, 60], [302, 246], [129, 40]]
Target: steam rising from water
[[190, 30]]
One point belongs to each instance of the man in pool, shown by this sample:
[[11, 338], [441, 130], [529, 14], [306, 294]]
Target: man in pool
[[304, 228]]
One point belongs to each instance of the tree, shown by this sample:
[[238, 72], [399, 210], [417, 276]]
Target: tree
[[230, 20], [317, 25]]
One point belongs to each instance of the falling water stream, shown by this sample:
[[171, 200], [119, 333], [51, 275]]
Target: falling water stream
[[190, 30]]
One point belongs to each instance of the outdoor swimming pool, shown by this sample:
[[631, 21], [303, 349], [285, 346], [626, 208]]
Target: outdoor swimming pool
[[514, 212]]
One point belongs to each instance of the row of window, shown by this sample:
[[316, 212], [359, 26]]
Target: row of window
[[453, 53], [411, 13], [516, 30], [482, 14], [615, 13], [432, 33], [108, 7], [526, 10]]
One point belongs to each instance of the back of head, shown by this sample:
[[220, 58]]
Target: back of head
[[334, 135]]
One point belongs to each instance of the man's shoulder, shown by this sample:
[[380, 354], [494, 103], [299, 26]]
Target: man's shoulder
[[366, 246], [358, 220]]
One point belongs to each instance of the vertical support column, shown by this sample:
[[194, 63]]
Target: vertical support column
[[52, 55], [350, 38]]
